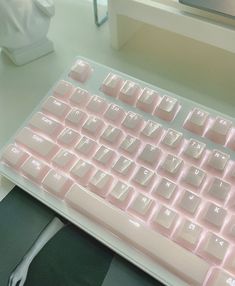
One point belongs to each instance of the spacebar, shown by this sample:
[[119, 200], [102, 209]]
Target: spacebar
[[176, 259]]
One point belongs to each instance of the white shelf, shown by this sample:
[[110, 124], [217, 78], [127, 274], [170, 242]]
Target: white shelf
[[170, 15]]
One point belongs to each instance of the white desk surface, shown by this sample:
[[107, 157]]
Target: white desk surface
[[184, 66]]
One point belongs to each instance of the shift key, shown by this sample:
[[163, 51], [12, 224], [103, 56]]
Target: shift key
[[36, 143]]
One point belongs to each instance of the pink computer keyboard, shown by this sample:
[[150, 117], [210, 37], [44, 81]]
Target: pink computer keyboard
[[148, 173]]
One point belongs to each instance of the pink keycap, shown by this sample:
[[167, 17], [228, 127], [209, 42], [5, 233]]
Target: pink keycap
[[120, 195], [142, 206], [63, 90], [172, 139], [219, 131], [214, 248], [188, 234], [130, 92], [57, 183], [218, 160], [80, 97], [130, 145], [165, 220], [221, 278], [112, 84], [93, 127], [151, 131], [218, 190], [123, 167], [189, 203], [230, 261], [197, 121], [100, 183], [194, 149], [231, 142], [35, 169], [112, 136], [36, 143], [194, 177], [172, 165], [81, 71], [68, 137], [114, 114], [82, 172], [56, 108], [14, 156], [214, 215], [167, 109], [148, 100], [46, 125], [165, 190], [104, 156], [150, 156], [144, 178], [97, 105], [133, 122], [86, 147], [64, 159], [76, 118]]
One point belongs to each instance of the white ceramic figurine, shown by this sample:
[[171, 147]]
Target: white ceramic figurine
[[23, 29]]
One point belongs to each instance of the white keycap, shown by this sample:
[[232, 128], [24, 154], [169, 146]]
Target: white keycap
[[68, 137], [112, 84], [63, 89], [100, 183], [104, 156], [80, 97], [14, 156], [165, 189], [189, 234], [36, 143], [214, 215], [141, 205], [167, 108], [219, 131], [97, 105], [168, 254], [80, 71], [194, 149], [82, 172], [195, 177], [152, 131], [148, 100], [112, 135], [133, 122], [144, 178], [215, 247], [56, 183], [123, 166], [130, 92], [130, 145], [114, 114], [63, 159], [172, 139], [221, 278], [165, 218], [93, 126], [56, 108], [86, 146], [219, 189], [46, 125], [150, 155], [76, 118], [189, 202], [34, 169], [172, 165], [197, 121], [218, 160]]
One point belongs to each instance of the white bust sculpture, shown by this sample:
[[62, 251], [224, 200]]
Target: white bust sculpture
[[23, 28]]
